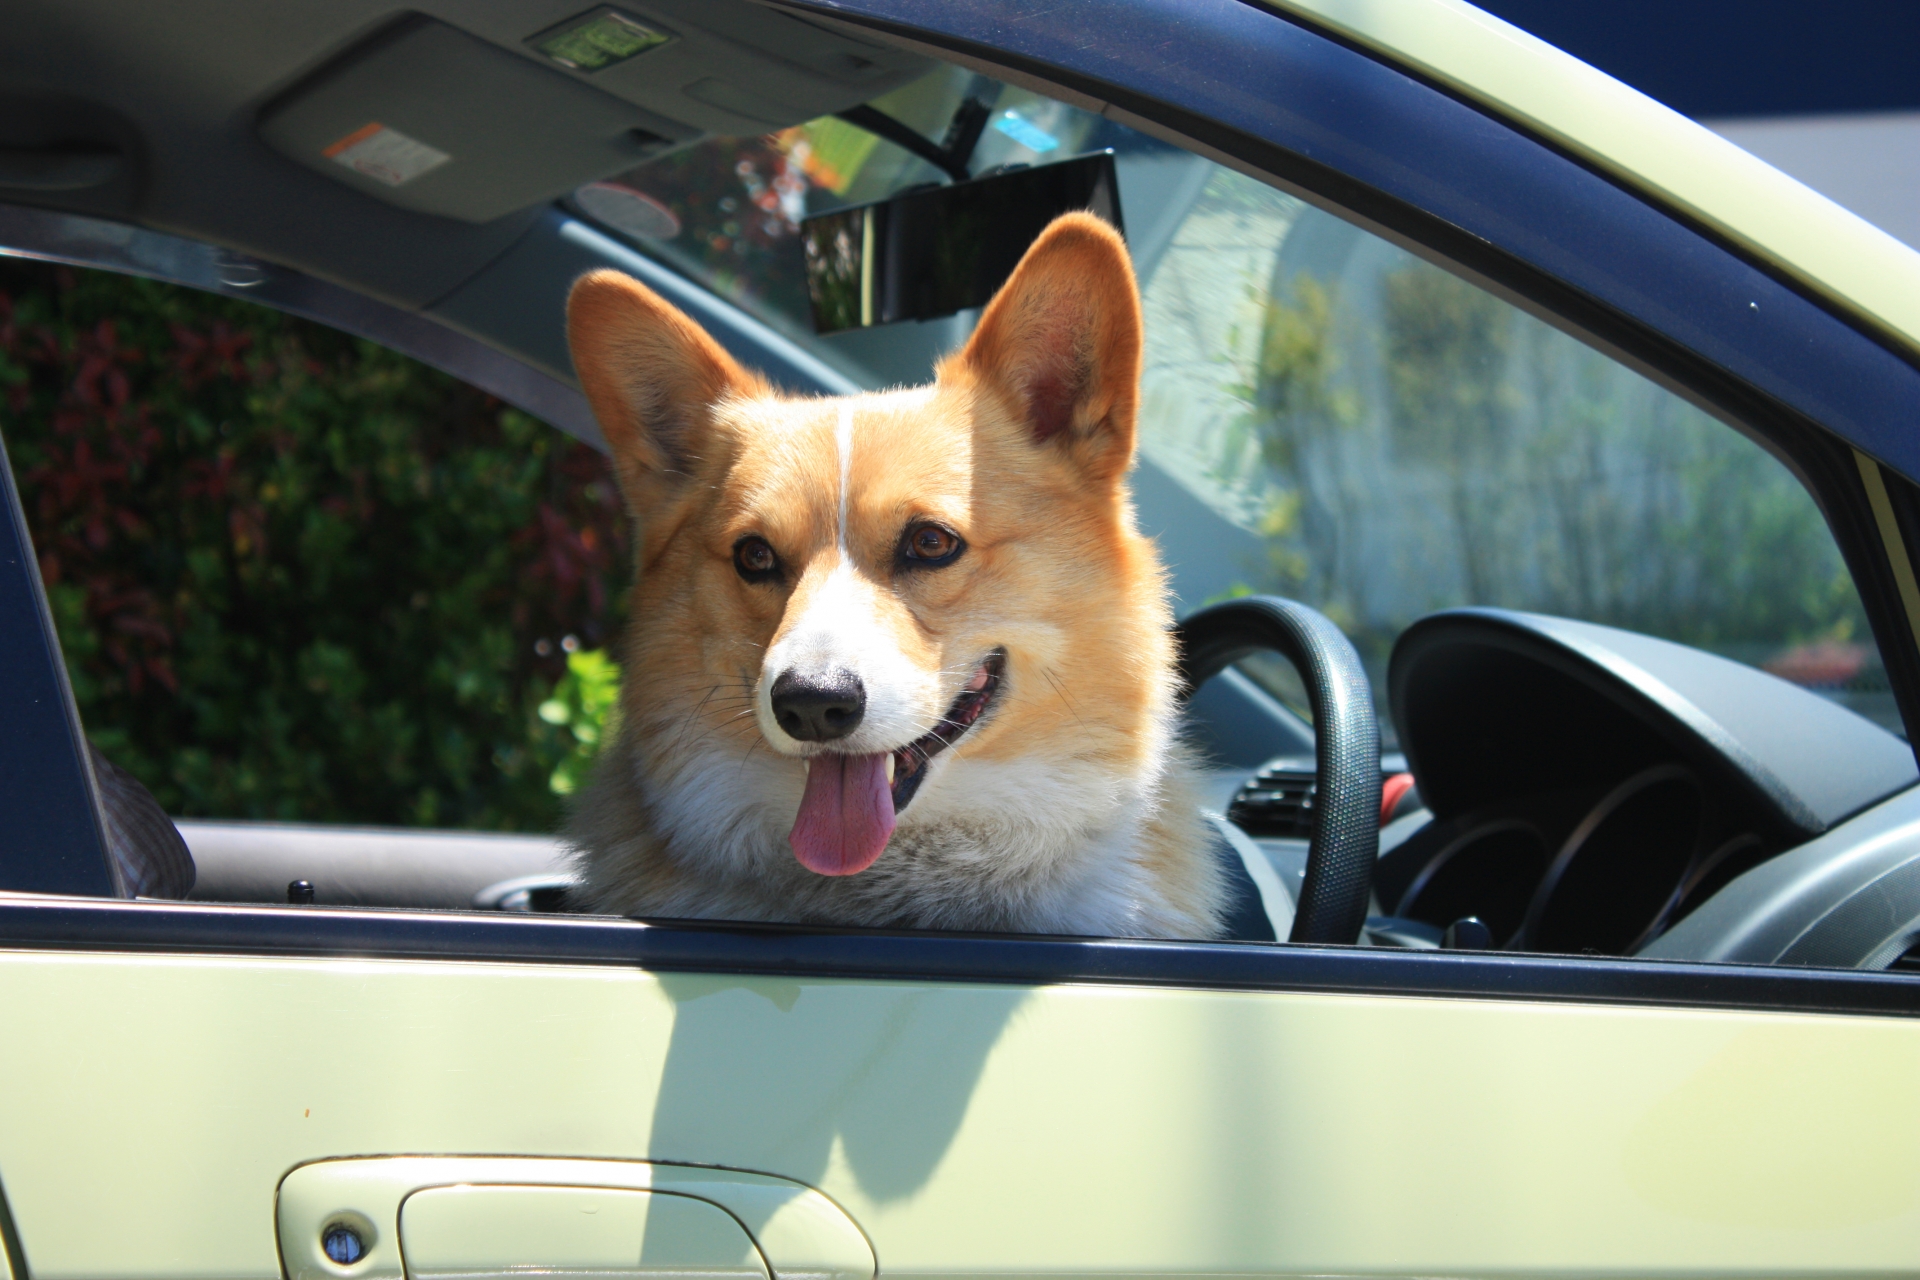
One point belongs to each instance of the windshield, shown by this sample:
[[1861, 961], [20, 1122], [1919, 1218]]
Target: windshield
[[1327, 416]]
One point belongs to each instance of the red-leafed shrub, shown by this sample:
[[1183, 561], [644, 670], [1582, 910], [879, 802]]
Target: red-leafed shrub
[[295, 575]]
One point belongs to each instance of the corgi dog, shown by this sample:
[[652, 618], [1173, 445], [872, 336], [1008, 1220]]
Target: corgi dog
[[895, 659]]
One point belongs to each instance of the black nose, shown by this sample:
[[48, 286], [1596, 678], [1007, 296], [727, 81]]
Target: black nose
[[819, 708]]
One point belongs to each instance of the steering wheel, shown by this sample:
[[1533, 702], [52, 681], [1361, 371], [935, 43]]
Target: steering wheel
[[1346, 810]]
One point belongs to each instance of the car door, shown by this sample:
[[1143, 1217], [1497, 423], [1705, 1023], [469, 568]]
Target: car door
[[196, 1090]]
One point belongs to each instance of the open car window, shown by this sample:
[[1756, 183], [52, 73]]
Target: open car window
[[301, 580]]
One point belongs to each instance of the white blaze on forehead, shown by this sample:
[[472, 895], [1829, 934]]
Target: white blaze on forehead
[[843, 629], [843, 439]]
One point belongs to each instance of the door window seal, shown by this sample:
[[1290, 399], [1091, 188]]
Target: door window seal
[[29, 922]]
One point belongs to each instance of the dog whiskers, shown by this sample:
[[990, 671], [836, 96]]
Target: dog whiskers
[[687, 723], [751, 748], [1047, 674]]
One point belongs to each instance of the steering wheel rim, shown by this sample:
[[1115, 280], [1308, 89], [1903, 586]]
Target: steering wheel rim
[[1346, 813]]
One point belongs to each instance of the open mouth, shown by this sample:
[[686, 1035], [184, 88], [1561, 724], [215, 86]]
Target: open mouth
[[908, 768], [848, 809]]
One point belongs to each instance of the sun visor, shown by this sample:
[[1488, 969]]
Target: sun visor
[[429, 118]]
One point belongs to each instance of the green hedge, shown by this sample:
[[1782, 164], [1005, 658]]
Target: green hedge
[[295, 575]]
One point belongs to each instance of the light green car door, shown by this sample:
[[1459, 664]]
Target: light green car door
[[157, 1104]]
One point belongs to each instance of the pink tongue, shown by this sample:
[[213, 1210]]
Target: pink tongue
[[846, 815]]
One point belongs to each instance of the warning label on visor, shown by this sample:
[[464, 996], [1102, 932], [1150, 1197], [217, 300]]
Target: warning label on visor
[[385, 155]]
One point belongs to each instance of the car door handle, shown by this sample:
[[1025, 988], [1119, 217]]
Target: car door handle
[[478, 1233], [475, 1218]]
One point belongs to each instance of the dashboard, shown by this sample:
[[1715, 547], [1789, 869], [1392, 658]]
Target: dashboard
[[1587, 790]]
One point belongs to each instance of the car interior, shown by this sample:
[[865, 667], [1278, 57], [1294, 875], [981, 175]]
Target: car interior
[[1595, 736]]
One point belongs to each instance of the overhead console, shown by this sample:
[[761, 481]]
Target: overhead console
[[474, 126], [1592, 786]]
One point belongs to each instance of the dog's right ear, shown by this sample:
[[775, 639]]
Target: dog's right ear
[[652, 377], [1061, 341]]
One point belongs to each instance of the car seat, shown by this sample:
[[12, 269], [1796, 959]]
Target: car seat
[[147, 851]]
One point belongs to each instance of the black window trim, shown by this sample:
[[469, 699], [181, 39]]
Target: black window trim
[[52, 839], [48, 923]]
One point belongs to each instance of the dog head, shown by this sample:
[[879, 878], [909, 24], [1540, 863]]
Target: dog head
[[922, 608]]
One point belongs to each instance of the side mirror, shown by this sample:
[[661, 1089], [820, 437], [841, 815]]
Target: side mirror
[[931, 252]]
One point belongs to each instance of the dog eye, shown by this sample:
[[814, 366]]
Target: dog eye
[[754, 559], [928, 546]]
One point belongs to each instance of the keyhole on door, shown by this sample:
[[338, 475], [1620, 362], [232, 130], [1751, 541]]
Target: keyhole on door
[[343, 1244]]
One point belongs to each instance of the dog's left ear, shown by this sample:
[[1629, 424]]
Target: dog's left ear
[[1061, 341]]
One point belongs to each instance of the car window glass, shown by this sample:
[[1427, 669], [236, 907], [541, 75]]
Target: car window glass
[[1399, 440], [296, 576]]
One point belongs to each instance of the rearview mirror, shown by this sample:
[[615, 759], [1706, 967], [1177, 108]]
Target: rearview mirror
[[932, 252]]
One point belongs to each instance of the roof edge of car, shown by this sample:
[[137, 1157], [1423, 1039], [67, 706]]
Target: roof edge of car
[[1640, 143]]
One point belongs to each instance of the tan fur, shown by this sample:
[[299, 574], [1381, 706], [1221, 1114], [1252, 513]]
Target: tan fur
[[1069, 806]]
